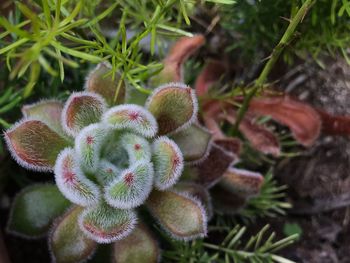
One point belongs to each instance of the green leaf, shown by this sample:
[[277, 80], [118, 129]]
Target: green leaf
[[34, 145], [139, 246], [132, 187], [168, 162], [67, 242], [174, 106], [180, 215], [76, 53], [107, 85], [106, 224], [194, 142], [47, 111], [35, 208], [80, 110]]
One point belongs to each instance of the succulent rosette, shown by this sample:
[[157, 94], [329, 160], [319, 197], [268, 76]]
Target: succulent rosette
[[109, 160], [119, 157]]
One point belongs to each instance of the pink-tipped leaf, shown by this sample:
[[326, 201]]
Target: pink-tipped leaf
[[34, 145], [131, 117], [132, 187], [72, 182], [168, 162], [88, 145], [106, 224]]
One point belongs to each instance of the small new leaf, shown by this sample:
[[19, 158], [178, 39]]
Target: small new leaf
[[131, 117], [132, 187], [72, 182], [168, 162]]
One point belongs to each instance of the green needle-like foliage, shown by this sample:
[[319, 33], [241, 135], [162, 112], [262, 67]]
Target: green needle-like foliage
[[65, 33], [255, 28], [260, 247]]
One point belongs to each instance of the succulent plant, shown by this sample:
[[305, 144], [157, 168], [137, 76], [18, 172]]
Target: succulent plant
[[110, 161], [118, 157]]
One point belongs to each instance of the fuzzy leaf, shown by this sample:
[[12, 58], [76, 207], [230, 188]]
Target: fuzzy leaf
[[88, 145], [131, 117], [197, 191], [67, 242], [47, 111], [138, 148], [242, 182], [107, 172], [181, 216], [139, 246], [34, 145], [106, 224], [178, 54], [168, 162], [194, 142], [35, 208], [80, 110], [174, 106], [100, 82], [213, 168], [301, 118], [132, 187], [72, 182]]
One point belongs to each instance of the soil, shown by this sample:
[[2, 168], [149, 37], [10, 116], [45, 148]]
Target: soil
[[319, 179]]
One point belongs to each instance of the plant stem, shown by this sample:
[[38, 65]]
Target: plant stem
[[287, 36]]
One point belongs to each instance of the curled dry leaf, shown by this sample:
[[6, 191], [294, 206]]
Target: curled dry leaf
[[210, 74], [302, 119], [334, 124], [178, 54], [260, 137]]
